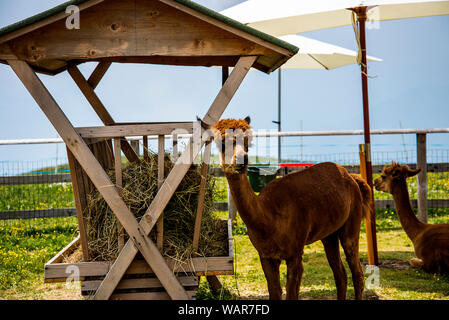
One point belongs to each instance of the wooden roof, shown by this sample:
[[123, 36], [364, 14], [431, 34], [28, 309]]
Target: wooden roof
[[174, 32]]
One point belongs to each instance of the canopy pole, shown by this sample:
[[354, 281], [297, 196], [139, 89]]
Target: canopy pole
[[361, 17]]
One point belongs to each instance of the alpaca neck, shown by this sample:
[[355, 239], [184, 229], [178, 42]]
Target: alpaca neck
[[410, 223], [246, 201]]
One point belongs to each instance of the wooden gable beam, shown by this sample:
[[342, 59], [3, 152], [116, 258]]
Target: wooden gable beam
[[80, 150], [45, 22], [172, 181]]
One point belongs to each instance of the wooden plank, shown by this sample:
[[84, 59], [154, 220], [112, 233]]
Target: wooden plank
[[421, 148], [139, 283], [201, 196], [45, 22], [203, 266], [99, 108], [119, 184], [98, 176], [176, 175], [134, 130], [35, 179], [227, 27], [147, 295], [37, 213], [66, 251], [160, 181], [80, 201], [98, 73], [125, 32]]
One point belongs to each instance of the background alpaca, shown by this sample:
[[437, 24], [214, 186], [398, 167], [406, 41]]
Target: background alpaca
[[320, 203], [431, 242]]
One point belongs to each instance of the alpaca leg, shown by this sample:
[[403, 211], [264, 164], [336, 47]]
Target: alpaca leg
[[333, 257], [271, 270], [350, 244], [294, 275]]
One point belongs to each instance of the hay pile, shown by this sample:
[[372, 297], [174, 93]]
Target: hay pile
[[139, 189]]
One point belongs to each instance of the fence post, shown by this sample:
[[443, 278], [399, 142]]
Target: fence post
[[422, 176]]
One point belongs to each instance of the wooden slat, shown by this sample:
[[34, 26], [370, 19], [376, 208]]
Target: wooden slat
[[44, 22], [147, 295], [140, 283], [72, 246], [197, 266], [119, 184], [160, 181], [99, 108], [79, 193], [146, 152], [98, 73], [98, 176], [131, 130]]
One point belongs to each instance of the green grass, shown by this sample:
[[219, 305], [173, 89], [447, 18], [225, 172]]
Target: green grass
[[25, 249], [318, 282]]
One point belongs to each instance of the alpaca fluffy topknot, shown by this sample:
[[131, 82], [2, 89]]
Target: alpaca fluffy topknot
[[231, 124]]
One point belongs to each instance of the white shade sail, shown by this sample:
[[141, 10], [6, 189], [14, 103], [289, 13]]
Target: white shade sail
[[283, 17], [314, 54]]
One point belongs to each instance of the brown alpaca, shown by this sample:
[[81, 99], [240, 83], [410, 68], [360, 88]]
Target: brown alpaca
[[320, 203], [431, 242]]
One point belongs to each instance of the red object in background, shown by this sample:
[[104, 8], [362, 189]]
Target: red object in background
[[296, 164]]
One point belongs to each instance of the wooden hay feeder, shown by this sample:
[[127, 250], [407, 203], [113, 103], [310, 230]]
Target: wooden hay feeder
[[171, 32]]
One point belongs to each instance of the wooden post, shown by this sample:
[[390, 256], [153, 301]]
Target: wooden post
[[370, 237], [146, 154], [80, 202], [232, 209], [119, 184], [175, 148], [160, 181], [422, 176]]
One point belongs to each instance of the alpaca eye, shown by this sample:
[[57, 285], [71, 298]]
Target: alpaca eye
[[383, 176]]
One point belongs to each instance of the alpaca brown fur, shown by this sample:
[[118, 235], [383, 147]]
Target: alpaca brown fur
[[322, 202], [431, 242]]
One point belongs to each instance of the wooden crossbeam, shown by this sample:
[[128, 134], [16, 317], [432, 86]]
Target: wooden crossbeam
[[98, 73], [99, 108], [96, 173], [134, 130], [175, 177]]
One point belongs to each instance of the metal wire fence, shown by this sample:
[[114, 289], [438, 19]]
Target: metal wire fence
[[34, 190]]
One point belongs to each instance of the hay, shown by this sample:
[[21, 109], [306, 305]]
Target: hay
[[139, 189]]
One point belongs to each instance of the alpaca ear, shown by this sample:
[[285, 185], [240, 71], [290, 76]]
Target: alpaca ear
[[204, 125], [248, 120], [411, 173]]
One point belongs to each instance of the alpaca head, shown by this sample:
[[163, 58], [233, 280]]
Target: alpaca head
[[392, 175], [233, 138]]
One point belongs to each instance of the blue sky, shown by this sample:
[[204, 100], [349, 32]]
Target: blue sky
[[409, 89]]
